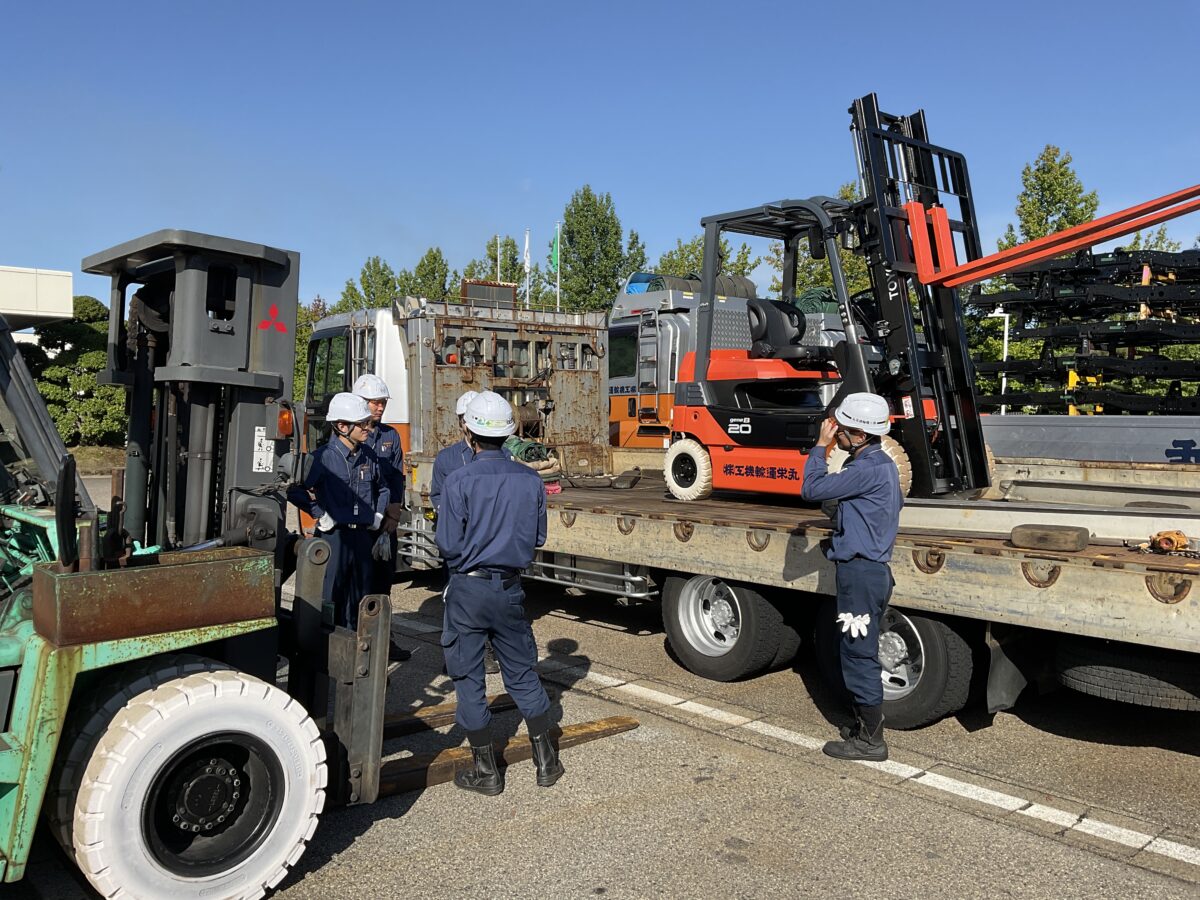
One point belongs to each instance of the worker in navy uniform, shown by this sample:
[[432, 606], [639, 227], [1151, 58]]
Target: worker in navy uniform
[[493, 517], [345, 492], [451, 459], [384, 441], [868, 516]]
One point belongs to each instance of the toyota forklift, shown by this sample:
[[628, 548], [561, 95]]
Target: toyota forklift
[[750, 399], [751, 396]]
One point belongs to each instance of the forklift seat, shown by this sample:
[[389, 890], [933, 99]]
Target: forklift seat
[[776, 330]]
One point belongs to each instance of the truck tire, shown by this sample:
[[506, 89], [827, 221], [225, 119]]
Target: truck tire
[[688, 470], [1142, 676], [209, 784], [927, 665], [718, 629]]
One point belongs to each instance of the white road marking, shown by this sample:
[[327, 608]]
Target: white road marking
[[1181, 852], [712, 712], [1050, 814], [650, 695], [971, 791], [1008, 802], [1114, 833], [784, 734]]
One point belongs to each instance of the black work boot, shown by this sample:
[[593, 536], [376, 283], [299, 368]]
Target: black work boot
[[485, 777], [491, 665], [865, 743], [545, 757]]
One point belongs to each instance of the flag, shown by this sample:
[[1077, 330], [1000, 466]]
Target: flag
[[526, 251], [554, 253]]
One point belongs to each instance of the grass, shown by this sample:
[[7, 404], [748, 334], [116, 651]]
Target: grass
[[98, 460]]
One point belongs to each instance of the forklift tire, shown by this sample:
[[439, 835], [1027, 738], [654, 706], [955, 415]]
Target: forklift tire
[[720, 630], [927, 665], [89, 717], [209, 784], [688, 470], [837, 457]]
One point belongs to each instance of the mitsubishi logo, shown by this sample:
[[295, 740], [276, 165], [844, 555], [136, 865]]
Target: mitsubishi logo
[[272, 319]]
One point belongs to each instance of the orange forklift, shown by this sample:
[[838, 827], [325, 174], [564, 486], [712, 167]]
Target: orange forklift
[[761, 375]]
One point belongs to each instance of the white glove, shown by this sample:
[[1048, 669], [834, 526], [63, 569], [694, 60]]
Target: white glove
[[856, 625], [326, 523], [378, 521]]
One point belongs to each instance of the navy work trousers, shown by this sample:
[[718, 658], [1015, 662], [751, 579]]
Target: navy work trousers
[[863, 588], [383, 571], [478, 609], [348, 572]]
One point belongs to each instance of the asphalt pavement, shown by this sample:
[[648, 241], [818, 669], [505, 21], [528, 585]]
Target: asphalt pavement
[[722, 791]]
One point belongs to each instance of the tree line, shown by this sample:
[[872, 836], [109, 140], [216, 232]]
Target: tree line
[[595, 255]]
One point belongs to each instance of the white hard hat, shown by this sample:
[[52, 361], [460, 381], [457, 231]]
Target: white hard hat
[[867, 412], [347, 408], [460, 408], [490, 415], [371, 387]]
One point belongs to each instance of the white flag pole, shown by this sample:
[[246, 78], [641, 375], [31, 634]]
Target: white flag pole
[[527, 268]]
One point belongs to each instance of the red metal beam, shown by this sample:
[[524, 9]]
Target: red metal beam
[[947, 273]]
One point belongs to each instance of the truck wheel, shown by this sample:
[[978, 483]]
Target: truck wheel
[[1143, 676], [204, 785], [688, 470], [720, 630], [926, 665]]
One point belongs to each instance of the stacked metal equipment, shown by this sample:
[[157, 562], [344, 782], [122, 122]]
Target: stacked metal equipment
[[1120, 334]]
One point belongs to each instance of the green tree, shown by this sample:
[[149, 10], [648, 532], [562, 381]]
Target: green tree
[[1158, 240], [1052, 199], [66, 362], [812, 272], [512, 266], [635, 254], [307, 315], [592, 256], [432, 278], [686, 259], [377, 286]]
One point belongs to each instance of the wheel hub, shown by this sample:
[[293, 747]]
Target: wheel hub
[[893, 651], [207, 796], [721, 613]]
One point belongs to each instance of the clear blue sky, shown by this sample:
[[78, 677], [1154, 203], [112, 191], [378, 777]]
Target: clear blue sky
[[353, 129]]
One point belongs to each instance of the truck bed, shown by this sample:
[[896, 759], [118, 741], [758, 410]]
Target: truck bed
[[1104, 591]]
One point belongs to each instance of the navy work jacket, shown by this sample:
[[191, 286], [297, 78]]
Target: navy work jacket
[[493, 515]]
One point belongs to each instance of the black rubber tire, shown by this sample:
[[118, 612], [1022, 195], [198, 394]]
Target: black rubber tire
[[945, 682], [1142, 676], [757, 644], [789, 646]]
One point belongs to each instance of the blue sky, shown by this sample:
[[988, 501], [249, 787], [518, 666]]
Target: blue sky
[[350, 130]]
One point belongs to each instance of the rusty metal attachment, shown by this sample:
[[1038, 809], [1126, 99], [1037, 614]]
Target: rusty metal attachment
[[1168, 587], [1041, 573], [758, 539], [566, 517], [929, 560], [626, 524], [684, 531]]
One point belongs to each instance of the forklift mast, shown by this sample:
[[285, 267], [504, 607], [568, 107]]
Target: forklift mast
[[205, 348], [920, 330]]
